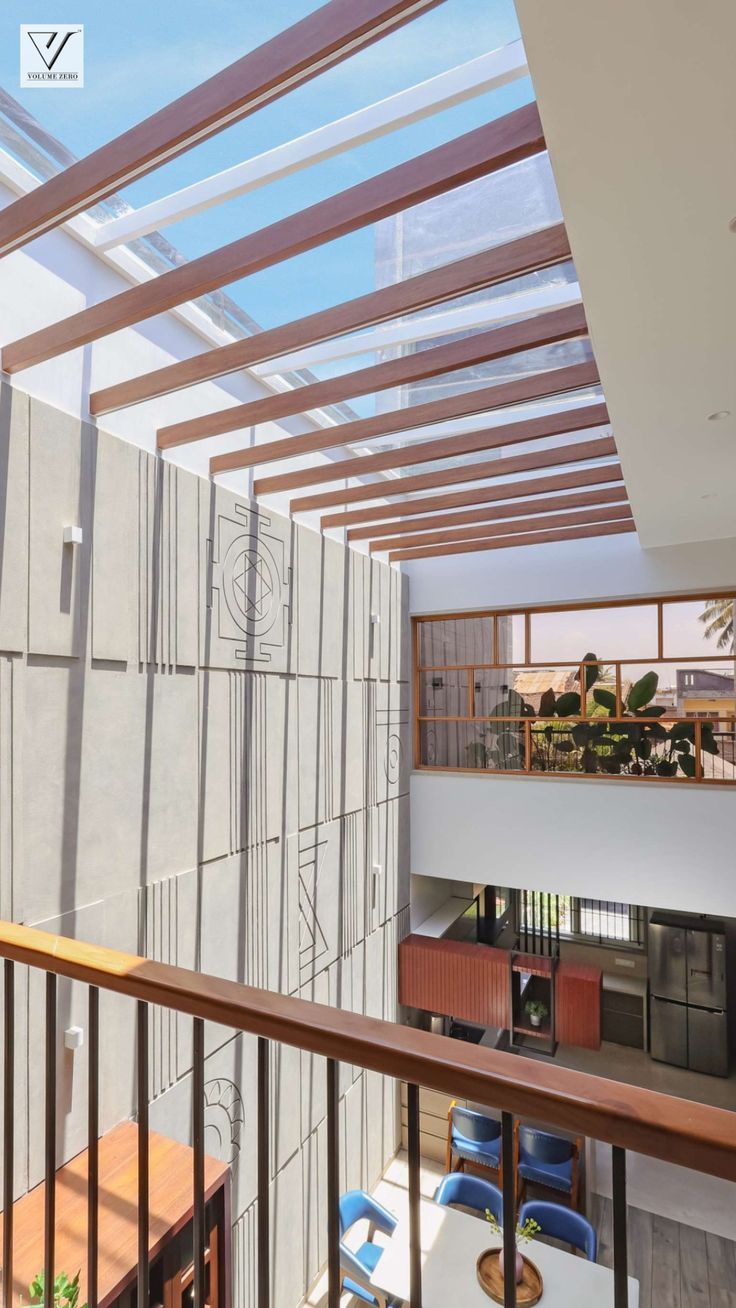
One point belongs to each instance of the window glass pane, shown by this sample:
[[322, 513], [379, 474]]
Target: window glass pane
[[627, 632], [456, 640], [515, 692], [605, 919], [472, 745], [511, 635], [691, 688], [443, 694], [697, 628]]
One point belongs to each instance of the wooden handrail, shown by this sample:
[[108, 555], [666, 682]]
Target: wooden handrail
[[662, 1126]]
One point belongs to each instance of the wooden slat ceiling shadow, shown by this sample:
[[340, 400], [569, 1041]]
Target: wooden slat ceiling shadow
[[508, 490], [495, 145], [480, 347], [575, 452], [419, 531], [477, 272], [566, 422], [485, 399], [309, 47], [514, 542]]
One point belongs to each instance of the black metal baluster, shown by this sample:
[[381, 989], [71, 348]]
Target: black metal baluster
[[620, 1250], [93, 1134], [50, 1169], [264, 1239], [142, 1041], [8, 1125], [198, 1223], [526, 923], [333, 1186], [509, 1210], [415, 1199]]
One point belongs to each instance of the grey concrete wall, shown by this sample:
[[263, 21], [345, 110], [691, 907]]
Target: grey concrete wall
[[204, 754]]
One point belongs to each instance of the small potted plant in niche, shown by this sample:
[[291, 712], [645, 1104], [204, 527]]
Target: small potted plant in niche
[[524, 1235], [536, 1011]]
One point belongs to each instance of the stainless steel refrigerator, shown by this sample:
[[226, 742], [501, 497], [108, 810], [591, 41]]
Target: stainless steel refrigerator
[[687, 996]]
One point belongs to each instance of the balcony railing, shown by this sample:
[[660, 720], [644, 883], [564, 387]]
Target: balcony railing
[[625, 1117], [469, 718]]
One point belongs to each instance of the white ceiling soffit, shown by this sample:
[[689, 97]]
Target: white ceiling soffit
[[638, 101]]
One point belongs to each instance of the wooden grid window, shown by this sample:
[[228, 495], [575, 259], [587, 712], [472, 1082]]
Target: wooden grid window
[[641, 690]]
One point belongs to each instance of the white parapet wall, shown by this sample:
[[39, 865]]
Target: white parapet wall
[[671, 845]]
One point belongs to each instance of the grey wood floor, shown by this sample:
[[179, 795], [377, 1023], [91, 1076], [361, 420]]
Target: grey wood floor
[[676, 1266]]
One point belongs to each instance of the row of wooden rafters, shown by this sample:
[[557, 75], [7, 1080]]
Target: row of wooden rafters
[[319, 41]]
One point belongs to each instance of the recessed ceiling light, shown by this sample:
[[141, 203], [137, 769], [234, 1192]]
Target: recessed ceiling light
[[732, 225], [719, 415], [710, 495]]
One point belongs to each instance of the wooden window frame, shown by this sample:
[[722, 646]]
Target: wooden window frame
[[527, 613]]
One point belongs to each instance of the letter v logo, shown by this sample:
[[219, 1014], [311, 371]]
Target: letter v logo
[[50, 44]]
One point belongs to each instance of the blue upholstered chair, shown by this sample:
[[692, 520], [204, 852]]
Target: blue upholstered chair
[[470, 1192], [357, 1265], [562, 1224], [472, 1138], [548, 1161]]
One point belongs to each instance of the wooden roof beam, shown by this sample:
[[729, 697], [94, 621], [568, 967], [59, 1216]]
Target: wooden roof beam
[[445, 447], [551, 521], [514, 542], [465, 352], [321, 40], [413, 531], [576, 452], [485, 399], [506, 490], [477, 272], [495, 145]]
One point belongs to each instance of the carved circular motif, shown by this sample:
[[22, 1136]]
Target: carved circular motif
[[251, 585], [224, 1117], [394, 756]]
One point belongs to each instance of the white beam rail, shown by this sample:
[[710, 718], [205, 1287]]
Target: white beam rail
[[465, 82], [443, 323]]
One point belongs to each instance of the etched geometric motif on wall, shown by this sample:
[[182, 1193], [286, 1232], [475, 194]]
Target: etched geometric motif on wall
[[224, 1118], [249, 585], [391, 741], [315, 894], [312, 943]]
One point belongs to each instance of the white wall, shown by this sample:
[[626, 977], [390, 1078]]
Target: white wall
[[666, 845]]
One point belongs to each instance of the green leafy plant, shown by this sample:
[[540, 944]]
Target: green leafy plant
[[535, 1008], [635, 744], [524, 1234], [66, 1291]]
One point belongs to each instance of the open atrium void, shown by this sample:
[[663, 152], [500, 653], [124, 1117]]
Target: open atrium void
[[367, 662]]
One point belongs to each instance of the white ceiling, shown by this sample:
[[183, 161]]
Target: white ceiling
[[638, 101]]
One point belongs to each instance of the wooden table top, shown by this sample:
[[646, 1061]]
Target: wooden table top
[[171, 1206]]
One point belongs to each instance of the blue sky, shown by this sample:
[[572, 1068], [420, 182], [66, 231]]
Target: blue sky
[[140, 56]]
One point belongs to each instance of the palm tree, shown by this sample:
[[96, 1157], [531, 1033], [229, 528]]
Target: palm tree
[[718, 618]]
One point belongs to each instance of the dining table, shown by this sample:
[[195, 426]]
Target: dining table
[[452, 1242]]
